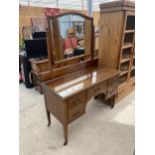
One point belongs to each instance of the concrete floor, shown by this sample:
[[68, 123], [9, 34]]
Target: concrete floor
[[101, 131]]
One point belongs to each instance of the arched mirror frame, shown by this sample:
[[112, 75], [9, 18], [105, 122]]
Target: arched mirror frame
[[53, 64]]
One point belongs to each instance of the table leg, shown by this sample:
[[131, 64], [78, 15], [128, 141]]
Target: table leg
[[112, 100], [48, 118], [65, 127]]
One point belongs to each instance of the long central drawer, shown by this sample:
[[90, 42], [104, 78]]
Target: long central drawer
[[99, 88]]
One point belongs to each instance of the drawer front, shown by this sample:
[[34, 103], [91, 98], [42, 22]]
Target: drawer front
[[43, 67], [112, 86], [98, 89], [76, 100], [75, 112], [132, 82], [121, 91]]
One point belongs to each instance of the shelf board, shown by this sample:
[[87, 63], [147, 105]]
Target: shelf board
[[132, 77], [133, 67], [129, 31], [127, 45], [125, 60], [122, 84], [123, 72]]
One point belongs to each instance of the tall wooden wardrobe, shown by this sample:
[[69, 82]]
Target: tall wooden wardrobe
[[117, 42]]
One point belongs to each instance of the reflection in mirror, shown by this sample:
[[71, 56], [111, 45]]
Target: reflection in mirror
[[70, 33]]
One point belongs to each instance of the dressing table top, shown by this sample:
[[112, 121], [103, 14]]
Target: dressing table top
[[73, 83]]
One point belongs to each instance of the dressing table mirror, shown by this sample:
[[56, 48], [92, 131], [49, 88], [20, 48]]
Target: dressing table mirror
[[70, 39]]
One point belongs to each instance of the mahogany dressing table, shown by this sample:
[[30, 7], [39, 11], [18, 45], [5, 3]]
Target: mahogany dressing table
[[73, 80]]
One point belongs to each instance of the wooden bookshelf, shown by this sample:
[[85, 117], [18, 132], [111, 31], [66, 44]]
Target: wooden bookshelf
[[117, 41]]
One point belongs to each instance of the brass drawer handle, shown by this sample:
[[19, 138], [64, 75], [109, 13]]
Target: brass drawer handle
[[78, 99], [96, 89], [76, 113], [76, 102]]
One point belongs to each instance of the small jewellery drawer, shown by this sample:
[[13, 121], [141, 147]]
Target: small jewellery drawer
[[76, 100], [75, 112], [95, 90], [112, 86]]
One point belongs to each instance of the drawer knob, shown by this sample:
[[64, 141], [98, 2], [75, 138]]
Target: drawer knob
[[97, 89], [76, 113], [76, 102]]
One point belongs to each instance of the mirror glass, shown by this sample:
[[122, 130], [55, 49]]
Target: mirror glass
[[71, 35]]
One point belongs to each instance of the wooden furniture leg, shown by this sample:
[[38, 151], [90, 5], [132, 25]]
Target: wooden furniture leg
[[65, 122], [112, 101], [96, 97], [65, 127], [48, 118]]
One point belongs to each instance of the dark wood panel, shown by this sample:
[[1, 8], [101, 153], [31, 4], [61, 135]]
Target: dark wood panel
[[53, 103], [111, 26]]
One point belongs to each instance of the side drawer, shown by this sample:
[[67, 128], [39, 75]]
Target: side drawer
[[76, 112], [76, 100]]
